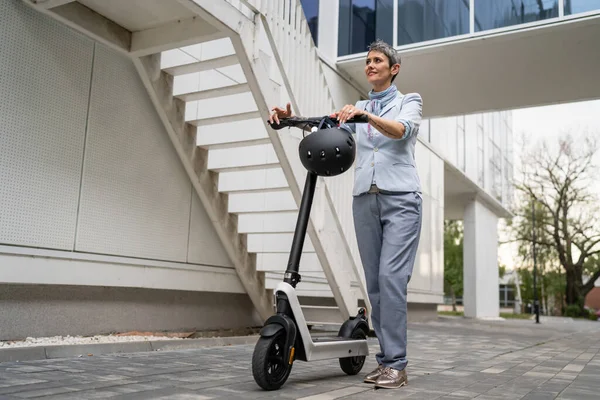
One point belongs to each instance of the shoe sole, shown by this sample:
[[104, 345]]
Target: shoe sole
[[391, 387], [370, 381]]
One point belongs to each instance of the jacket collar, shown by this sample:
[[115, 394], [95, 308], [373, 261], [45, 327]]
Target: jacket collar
[[392, 104]]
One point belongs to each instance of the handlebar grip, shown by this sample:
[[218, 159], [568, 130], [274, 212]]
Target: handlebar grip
[[283, 123], [359, 119]]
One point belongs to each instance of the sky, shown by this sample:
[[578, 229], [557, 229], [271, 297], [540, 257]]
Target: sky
[[552, 120], [549, 122]]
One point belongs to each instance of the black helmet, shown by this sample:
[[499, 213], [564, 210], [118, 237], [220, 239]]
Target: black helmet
[[328, 152]]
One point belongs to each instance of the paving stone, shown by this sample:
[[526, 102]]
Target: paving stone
[[578, 394], [448, 359], [540, 396]]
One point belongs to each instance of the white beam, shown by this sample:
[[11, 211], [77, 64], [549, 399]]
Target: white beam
[[173, 35], [220, 14], [89, 23], [50, 267], [48, 4], [200, 66]]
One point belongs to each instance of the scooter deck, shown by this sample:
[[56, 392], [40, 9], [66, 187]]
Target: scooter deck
[[325, 339]]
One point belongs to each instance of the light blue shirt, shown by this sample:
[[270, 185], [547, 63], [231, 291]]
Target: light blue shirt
[[389, 162]]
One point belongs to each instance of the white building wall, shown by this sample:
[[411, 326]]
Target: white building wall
[[86, 165], [92, 192]]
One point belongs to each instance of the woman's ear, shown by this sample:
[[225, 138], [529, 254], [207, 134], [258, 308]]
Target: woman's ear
[[395, 69]]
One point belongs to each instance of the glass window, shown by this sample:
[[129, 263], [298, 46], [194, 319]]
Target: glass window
[[311, 12], [508, 181], [421, 20], [496, 172], [363, 21], [579, 6], [501, 13]]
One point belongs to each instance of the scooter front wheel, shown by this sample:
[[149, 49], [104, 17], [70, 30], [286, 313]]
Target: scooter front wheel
[[353, 365], [269, 366]]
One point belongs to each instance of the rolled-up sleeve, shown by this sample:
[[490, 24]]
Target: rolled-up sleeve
[[411, 114]]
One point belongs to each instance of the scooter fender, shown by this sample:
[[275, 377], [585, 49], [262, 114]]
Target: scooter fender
[[276, 323], [350, 325]]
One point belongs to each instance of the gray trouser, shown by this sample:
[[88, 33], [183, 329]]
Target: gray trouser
[[388, 227]]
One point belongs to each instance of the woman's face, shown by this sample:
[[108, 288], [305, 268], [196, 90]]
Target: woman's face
[[378, 69]]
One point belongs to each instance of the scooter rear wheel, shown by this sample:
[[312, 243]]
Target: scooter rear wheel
[[353, 365], [269, 366]]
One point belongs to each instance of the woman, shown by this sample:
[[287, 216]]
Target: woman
[[386, 204]]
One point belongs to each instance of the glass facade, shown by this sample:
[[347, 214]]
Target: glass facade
[[580, 6], [480, 145], [421, 20], [363, 21], [311, 13], [502, 13], [507, 296]]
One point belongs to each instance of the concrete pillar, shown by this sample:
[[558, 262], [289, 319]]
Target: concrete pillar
[[480, 262]]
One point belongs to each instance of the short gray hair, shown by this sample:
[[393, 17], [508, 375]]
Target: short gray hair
[[389, 51]]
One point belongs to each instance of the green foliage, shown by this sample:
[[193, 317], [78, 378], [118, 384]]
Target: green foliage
[[501, 271], [453, 258], [551, 278], [576, 311], [573, 311], [515, 316], [502, 315], [591, 265]]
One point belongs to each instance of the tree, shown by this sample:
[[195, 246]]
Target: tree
[[545, 256], [567, 229], [453, 260]]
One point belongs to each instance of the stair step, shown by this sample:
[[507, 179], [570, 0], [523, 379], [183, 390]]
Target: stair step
[[267, 223], [221, 119], [200, 66], [305, 288], [321, 315], [234, 145], [214, 93], [208, 80], [210, 111], [253, 181], [274, 243], [243, 168], [240, 159], [268, 201], [234, 134], [277, 262]]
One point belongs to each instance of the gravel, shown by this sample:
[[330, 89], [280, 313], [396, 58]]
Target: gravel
[[65, 340]]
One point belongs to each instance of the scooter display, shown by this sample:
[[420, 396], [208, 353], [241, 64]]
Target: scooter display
[[285, 337]]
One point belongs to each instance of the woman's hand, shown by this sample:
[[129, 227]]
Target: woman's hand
[[347, 112], [281, 113]]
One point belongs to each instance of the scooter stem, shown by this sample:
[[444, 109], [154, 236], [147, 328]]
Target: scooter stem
[[291, 274]]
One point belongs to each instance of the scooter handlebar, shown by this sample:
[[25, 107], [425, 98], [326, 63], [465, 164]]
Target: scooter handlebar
[[309, 122]]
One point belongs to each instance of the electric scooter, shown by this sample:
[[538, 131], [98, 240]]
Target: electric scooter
[[328, 151]]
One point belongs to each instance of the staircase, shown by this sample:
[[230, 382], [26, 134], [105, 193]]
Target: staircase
[[213, 97]]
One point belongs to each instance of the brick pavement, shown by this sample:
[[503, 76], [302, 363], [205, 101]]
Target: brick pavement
[[450, 358]]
